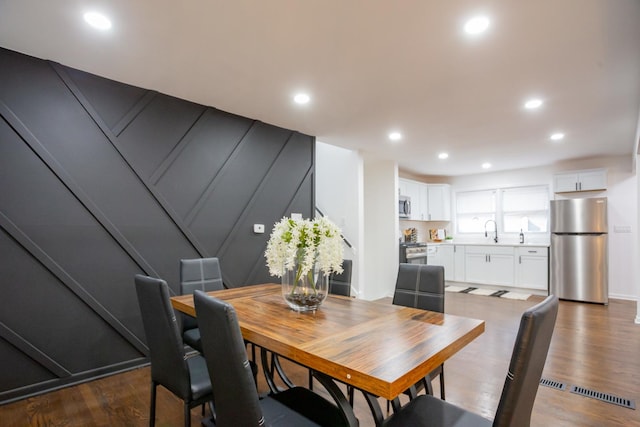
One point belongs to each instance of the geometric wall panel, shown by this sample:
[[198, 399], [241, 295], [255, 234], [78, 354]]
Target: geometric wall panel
[[103, 180]]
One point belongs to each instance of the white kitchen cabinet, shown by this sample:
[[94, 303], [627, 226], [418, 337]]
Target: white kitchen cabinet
[[442, 254], [584, 180], [439, 202], [493, 265], [412, 189], [423, 202], [458, 263], [429, 202], [403, 187], [532, 268]]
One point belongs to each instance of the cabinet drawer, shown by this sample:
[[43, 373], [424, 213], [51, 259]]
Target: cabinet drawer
[[534, 251], [491, 250]]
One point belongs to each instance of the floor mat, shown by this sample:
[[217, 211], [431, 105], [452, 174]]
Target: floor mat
[[487, 292]]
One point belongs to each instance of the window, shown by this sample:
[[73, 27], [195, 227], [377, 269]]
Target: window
[[513, 209], [526, 209], [474, 209]]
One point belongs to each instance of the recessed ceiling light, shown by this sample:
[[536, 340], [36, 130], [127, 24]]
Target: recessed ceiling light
[[486, 165], [301, 98], [443, 156], [557, 136], [533, 104], [97, 20], [476, 25], [395, 136]]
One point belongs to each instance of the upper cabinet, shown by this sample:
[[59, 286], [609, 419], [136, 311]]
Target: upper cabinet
[[583, 180], [439, 196], [429, 202]]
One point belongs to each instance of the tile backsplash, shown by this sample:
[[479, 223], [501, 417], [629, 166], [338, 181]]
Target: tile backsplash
[[423, 228]]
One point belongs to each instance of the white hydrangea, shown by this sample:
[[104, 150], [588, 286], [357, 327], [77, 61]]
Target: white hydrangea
[[304, 242]]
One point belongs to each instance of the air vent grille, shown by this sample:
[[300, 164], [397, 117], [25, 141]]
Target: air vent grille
[[605, 397], [553, 384]]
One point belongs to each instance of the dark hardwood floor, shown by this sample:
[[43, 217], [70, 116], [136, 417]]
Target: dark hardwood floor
[[594, 346]]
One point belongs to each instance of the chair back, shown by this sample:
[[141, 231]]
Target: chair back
[[527, 362], [236, 396], [420, 286], [340, 284], [166, 352], [200, 273]]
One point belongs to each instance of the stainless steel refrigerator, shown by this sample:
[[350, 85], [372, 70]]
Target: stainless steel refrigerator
[[579, 250]]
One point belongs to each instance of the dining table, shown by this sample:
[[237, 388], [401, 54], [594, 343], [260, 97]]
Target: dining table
[[377, 347]]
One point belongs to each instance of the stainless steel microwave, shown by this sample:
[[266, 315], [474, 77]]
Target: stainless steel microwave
[[404, 207]]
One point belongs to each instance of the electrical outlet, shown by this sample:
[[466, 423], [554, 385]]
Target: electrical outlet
[[296, 216], [622, 229], [258, 228]]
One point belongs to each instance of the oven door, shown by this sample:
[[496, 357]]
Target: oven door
[[417, 258]]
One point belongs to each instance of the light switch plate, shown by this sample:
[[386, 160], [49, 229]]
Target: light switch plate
[[258, 228], [296, 216]]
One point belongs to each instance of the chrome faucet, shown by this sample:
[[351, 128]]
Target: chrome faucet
[[495, 228]]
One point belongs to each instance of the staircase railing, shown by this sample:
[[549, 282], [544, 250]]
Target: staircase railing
[[344, 239]]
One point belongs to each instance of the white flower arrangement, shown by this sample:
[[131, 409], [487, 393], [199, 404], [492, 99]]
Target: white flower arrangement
[[305, 243]]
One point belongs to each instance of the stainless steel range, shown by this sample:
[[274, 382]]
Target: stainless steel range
[[413, 253]]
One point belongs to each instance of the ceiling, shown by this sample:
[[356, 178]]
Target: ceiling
[[374, 66]]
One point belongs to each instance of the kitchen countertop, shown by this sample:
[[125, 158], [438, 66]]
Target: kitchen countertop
[[489, 243]]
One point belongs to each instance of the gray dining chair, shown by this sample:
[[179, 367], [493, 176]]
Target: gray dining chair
[[422, 286], [520, 386], [186, 377], [340, 283], [236, 398], [203, 274]]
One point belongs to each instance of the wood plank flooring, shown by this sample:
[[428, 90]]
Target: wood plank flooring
[[594, 346]]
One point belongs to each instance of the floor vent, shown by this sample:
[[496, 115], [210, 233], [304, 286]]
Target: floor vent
[[605, 397], [553, 384]]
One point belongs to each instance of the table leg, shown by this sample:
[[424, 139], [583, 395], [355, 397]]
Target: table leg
[[374, 406], [271, 368], [329, 384]]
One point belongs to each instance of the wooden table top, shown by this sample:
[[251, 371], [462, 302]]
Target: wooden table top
[[379, 348]]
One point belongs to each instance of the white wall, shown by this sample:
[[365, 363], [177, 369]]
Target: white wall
[[622, 194], [380, 268], [637, 253], [339, 195]]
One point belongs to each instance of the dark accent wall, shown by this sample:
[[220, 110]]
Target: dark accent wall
[[100, 181]]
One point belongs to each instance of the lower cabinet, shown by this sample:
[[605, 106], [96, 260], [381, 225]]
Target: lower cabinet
[[442, 255], [493, 265], [532, 269], [458, 263], [514, 266]]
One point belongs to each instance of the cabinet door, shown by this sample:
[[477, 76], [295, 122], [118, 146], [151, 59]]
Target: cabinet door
[[475, 267], [458, 263], [423, 212], [532, 268], [443, 256], [439, 206], [565, 182], [448, 262], [402, 187], [592, 180], [434, 257], [501, 269]]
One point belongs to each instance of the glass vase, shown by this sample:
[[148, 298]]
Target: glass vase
[[304, 292]]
